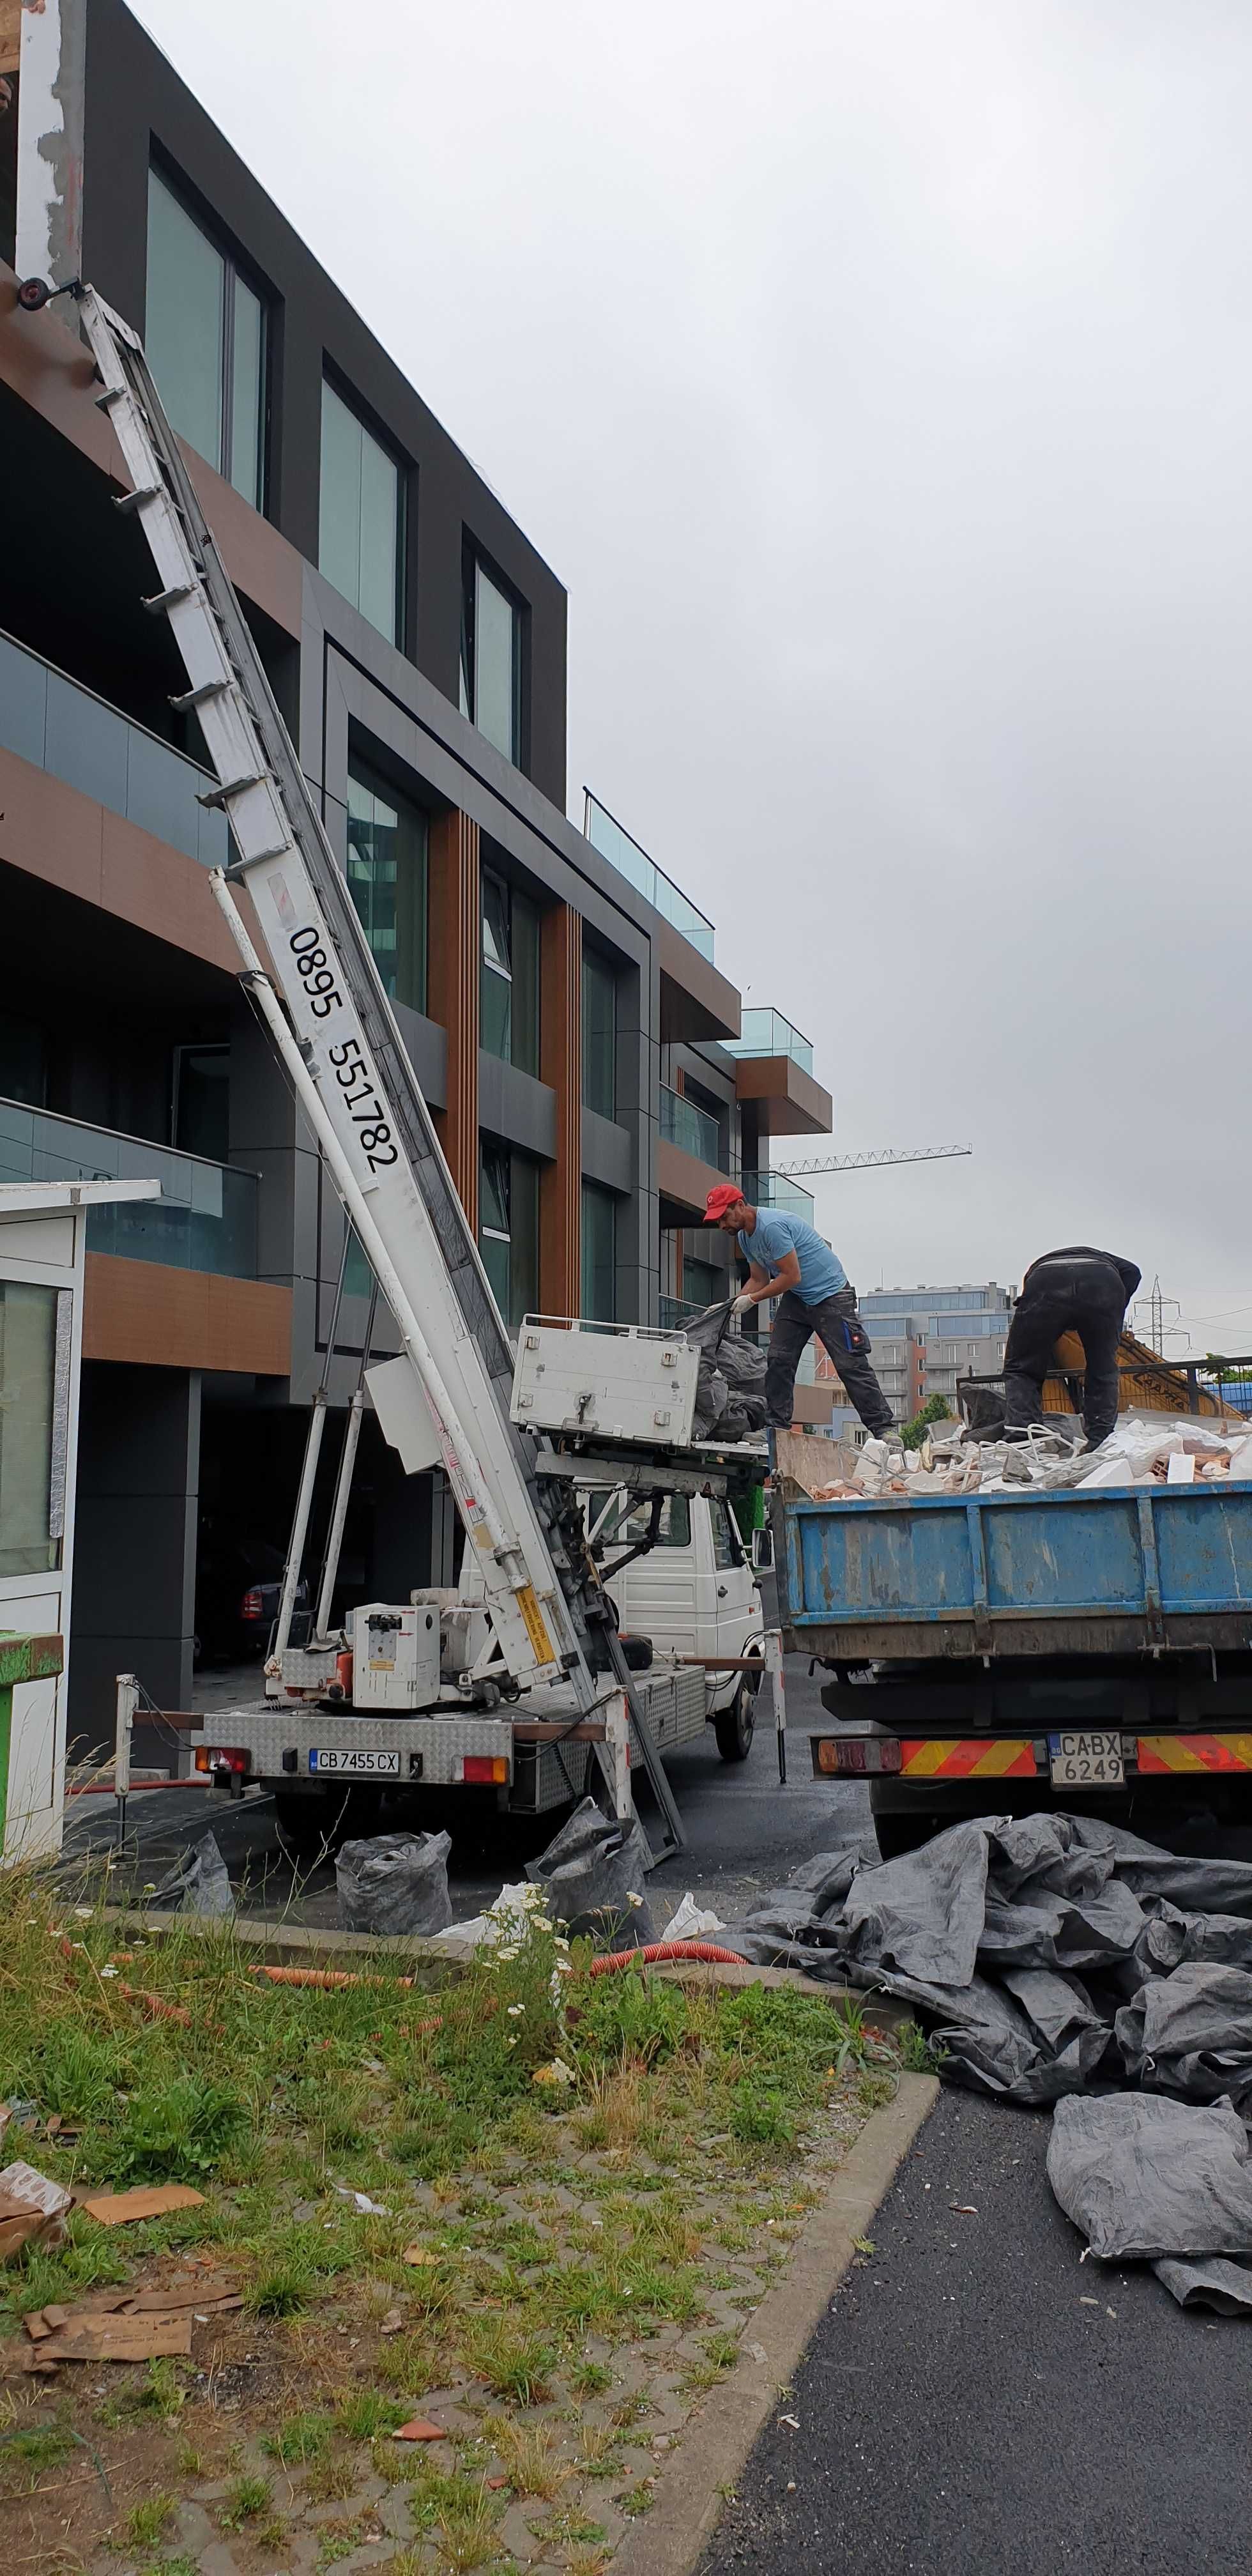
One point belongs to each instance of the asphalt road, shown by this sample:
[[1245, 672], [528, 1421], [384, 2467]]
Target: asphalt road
[[746, 1833], [977, 2400]]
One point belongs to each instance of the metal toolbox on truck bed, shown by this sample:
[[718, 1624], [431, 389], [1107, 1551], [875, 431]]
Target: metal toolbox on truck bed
[[1127, 1569]]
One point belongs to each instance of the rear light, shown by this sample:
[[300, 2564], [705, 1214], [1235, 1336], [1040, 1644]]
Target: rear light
[[223, 1757], [250, 1607], [490, 1770], [857, 1754]]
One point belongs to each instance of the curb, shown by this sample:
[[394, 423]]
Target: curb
[[428, 1959], [687, 2505]]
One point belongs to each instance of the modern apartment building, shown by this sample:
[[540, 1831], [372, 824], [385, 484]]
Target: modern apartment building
[[584, 1051], [926, 1338]]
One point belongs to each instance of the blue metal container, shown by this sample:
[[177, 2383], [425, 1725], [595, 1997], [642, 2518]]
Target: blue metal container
[[1125, 1570]]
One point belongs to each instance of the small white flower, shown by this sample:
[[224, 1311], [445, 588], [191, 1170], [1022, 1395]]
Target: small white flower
[[513, 2040], [83, 1912], [559, 1944], [631, 1897], [108, 1972], [516, 2011], [563, 1968], [507, 1954]]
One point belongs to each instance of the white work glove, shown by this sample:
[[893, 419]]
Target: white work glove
[[743, 1304]]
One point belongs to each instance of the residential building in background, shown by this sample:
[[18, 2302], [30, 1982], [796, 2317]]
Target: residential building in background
[[924, 1339], [584, 1052]]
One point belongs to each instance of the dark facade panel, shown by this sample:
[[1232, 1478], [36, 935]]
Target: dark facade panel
[[137, 106]]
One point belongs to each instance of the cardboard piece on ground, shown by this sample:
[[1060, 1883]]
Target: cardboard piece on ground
[[196, 2294], [118, 2208], [32, 2210], [418, 2254], [114, 2338], [421, 2430]]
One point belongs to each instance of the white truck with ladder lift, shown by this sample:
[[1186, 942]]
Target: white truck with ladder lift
[[426, 1691]]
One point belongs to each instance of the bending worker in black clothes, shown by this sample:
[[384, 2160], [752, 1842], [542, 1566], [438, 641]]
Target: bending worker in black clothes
[[1076, 1291]]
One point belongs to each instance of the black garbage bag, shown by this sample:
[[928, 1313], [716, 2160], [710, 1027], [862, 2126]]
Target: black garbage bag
[[394, 1884], [730, 1389], [595, 1871], [199, 1882], [1142, 2176]]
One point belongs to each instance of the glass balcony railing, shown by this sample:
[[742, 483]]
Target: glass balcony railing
[[607, 836], [58, 726], [774, 1190], [768, 1033], [206, 1218], [692, 1129], [674, 1312]]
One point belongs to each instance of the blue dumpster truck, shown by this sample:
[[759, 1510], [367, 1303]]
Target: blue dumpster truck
[[1031, 1649]]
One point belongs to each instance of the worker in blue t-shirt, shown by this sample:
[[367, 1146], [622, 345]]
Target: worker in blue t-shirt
[[788, 1260]]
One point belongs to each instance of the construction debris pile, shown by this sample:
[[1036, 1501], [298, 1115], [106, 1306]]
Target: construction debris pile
[[1144, 1449], [1055, 1956]]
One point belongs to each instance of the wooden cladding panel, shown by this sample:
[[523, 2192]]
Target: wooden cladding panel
[[158, 1317], [453, 973], [561, 1067]]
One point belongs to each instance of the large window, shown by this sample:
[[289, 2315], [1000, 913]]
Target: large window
[[491, 659], [23, 1060], [599, 1254], [29, 1544], [205, 338], [509, 991], [361, 535], [508, 1229], [387, 880], [599, 1035], [200, 1119]]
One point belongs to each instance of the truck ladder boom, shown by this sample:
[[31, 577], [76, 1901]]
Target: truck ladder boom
[[335, 1032]]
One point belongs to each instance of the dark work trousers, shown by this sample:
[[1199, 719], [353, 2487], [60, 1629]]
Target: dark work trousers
[[839, 1329], [1087, 1298]]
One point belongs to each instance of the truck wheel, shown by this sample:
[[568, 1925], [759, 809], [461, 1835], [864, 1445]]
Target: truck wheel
[[734, 1726], [896, 1833]]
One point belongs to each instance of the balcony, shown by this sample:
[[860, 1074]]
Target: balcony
[[766, 1032], [692, 1130], [774, 1075], [775, 1190], [614, 843], [205, 1220], [696, 1002], [79, 738]]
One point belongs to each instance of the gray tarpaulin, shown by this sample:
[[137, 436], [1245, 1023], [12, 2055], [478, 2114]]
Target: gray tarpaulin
[[1056, 1959]]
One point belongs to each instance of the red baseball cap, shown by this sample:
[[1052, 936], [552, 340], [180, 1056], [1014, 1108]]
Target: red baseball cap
[[719, 1200]]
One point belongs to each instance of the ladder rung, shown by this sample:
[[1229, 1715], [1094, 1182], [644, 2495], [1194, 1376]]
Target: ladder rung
[[165, 599], [240, 867], [200, 697], [219, 795], [128, 501]]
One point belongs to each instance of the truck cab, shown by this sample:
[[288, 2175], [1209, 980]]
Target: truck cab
[[693, 1593]]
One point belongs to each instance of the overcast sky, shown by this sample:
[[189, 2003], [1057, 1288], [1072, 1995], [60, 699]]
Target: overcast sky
[[877, 376]]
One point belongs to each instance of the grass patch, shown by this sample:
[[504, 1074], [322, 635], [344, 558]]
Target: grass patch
[[145, 2522], [554, 2229]]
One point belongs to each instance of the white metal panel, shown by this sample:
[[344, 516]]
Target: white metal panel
[[624, 1381]]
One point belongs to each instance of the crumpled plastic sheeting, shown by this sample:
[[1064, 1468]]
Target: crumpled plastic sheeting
[[199, 1882], [1143, 2177], [1049, 1952], [1218, 2284]]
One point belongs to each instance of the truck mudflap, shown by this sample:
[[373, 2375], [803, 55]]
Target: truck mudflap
[[925, 1758]]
